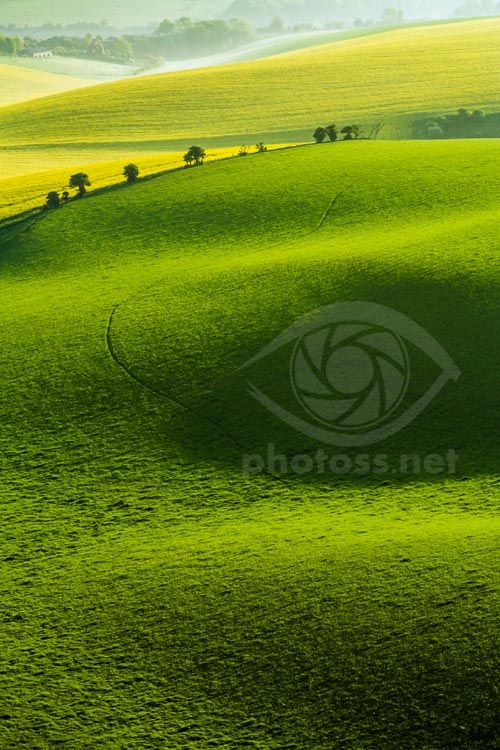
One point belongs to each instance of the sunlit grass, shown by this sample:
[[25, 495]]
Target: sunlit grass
[[362, 80], [18, 84], [22, 193]]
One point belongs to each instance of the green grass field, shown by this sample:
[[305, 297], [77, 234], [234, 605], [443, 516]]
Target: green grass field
[[153, 596], [390, 75], [24, 192]]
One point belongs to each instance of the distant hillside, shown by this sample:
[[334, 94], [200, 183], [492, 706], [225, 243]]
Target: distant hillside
[[21, 84], [282, 98], [120, 13]]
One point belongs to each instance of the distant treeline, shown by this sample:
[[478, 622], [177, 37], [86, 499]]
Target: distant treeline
[[367, 11], [171, 40], [185, 37], [462, 124], [47, 30]]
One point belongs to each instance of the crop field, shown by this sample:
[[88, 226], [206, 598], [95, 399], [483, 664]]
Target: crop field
[[20, 84], [279, 45], [21, 193], [280, 99], [154, 596]]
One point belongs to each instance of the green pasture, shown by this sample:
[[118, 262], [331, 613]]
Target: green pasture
[[155, 597]]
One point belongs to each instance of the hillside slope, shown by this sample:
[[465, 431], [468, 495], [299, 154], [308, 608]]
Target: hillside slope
[[119, 12], [365, 79], [25, 192], [19, 84], [155, 596]]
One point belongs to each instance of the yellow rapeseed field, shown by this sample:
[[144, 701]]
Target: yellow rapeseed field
[[25, 192]]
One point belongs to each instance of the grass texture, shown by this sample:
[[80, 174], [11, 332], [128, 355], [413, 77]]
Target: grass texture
[[153, 596]]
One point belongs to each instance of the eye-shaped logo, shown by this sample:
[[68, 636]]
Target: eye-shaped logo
[[350, 371]]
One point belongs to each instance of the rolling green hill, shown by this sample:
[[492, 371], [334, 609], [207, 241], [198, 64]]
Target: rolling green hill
[[24, 192], [154, 596], [388, 75]]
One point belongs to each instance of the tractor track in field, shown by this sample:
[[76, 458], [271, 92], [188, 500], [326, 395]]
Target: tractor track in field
[[151, 387], [171, 399], [109, 336], [327, 213], [157, 391]]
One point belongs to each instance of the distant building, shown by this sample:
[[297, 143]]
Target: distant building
[[36, 52], [96, 48]]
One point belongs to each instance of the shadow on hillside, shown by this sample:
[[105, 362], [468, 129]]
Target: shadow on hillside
[[462, 418]]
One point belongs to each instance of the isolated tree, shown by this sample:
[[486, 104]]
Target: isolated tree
[[131, 172], [331, 131], [81, 181], [243, 151], [320, 134], [53, 199], [196, 155], [260, 148], [350, 132], [65, 196]]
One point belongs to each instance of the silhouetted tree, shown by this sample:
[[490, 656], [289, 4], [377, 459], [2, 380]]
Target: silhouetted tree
[[81, 181], [65, 196], [53, 199], [260, 148], [320, 134], [131, 172], [331, 131], [243, 151], [195, 154]]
